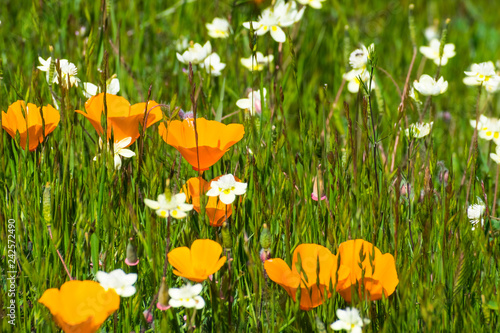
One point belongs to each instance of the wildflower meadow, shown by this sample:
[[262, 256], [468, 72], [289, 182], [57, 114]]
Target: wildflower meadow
[[249, 166]]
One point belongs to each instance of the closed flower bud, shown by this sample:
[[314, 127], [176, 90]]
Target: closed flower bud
[[163, 296], [265, 255], [227, 240], [131, 259], [265, 237]]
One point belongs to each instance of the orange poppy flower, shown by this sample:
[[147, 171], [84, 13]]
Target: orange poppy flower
[[197, 263], [304, 274], [80, 306], [31, 129], [215, 209], [214, 139], [379, 279], [123, 118]]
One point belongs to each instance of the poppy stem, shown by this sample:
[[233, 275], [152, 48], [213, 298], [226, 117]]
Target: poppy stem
[[167, 247]]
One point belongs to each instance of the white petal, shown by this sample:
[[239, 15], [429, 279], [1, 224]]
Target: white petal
[[118, 161], [122, 143], [244, 103], [340, 325], [200, 302], [178, 214], [126, 153], [213, 192], [127, 291], [152, 204], [278, 34], [113, 87], [240, 188], [227, 198], [197, 288]]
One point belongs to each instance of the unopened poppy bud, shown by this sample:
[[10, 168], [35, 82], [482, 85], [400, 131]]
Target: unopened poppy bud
[[163, 296], [264, 255], [47, 215], [227, 240], [131, 259], [148, 316], [265, 237]]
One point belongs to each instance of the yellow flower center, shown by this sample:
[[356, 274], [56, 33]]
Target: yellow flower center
[[274, 28], [163, 213], [174, 213], [227, 191]]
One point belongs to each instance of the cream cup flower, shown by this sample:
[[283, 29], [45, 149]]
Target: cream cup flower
[[195, 54], [119, 150], [359, 57], [187, 296], [488, 128], [475, 213], [418, 130], [227, 188], [481, 73], [316, 4], [112, 87], [431, 32], [427, 86], [349, 320], [492, 86], [496, 156], [68, 71], [268, 22], [432, 52], [252, 103], [118, 280], [174, 206], [287, 13], [352, 78], [212, 65], [219, 28], [257, 62]]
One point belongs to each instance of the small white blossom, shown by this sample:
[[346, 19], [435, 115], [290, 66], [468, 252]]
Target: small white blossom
[[481, 74], [359, 58], [432, 52], [252, 103], [257, 62], [219, 28], [118, 280], [316, 4], [427, 86], [119, 150], [112, 87], [352, 77], [195, 54], [181, 44], [349, 320], [187, 296], [226, 188], [496, 155], [68, 71], [488, 128], [213, 65], [431, 32], [475, 213], [174, 206], [418, 130], [274, 18]]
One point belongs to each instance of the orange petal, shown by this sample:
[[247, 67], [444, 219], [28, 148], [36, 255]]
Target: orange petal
[[205, 254], [180, 258], [312, 255]]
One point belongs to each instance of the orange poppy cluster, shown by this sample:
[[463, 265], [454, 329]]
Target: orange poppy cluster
[[27, 120], [80, 306], [199, 262], [359, 267], [212, 142], [123, 119]]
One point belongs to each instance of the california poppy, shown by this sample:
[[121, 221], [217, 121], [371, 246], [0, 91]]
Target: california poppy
[[29, 127], [80, 306], [215, 209], [314, 287], [214, 139], [123, 118], [197, 263], [380, 276]]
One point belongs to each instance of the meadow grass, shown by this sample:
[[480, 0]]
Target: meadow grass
[[448, 274]]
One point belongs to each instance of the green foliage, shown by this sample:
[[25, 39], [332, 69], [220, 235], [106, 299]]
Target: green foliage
[[448, 274]]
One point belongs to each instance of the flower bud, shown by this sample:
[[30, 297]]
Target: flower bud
[[163, 296], [265, 237], [131, 259], [148, 316], [227, 240], [264, 255]]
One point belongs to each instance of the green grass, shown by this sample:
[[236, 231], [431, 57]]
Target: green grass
[[448, 280]]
